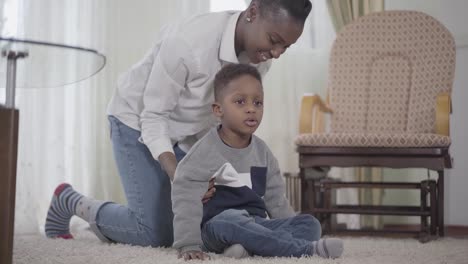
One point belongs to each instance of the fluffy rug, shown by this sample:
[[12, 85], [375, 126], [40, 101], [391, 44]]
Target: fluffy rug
[[85, 248]]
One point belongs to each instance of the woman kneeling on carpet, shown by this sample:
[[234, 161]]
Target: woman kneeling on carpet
[[162, 106]]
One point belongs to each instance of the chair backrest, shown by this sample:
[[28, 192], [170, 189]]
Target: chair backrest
[[386, 70]]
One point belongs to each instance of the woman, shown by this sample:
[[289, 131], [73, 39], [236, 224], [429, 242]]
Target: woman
[[162, 106]]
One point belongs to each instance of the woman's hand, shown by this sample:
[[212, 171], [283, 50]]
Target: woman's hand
[[194, 254], [168, 163], [210, 193]]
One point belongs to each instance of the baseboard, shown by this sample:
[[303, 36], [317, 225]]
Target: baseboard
[[450, 231]]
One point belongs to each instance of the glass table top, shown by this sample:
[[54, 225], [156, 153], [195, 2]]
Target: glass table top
[[49, 64]]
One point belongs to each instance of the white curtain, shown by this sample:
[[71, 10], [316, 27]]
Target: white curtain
[[345, 11], [64, 131], [298, 71], [302, 69]]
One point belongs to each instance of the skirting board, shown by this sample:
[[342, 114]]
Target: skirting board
[[450, 231]]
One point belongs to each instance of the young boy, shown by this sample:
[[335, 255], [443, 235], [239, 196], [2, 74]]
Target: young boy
[[249, 186]]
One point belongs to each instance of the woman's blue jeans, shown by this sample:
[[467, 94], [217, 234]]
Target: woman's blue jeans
[[147, 218], [263, 237]]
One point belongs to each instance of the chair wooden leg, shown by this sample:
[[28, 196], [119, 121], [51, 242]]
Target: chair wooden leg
[[327, 203], [434, 205], [440, 200], [424, 191], [311, 196], [304, 198], [8, 161], [308, 196]]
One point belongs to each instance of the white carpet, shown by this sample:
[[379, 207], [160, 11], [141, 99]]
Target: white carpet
[[85, 248]]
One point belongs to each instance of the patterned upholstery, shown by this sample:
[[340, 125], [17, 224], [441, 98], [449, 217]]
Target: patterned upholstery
[[386, 70], [372, 140]]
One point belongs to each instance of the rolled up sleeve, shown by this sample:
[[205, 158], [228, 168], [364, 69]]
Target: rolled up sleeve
[[173, 62]]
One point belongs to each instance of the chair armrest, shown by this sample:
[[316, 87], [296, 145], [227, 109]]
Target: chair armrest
[[311, 118], [443, 111]]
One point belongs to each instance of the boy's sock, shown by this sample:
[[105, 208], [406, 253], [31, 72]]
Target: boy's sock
[[328, 247], [62, 208], [236, 251]]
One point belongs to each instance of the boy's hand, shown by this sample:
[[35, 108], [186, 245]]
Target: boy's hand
[[210, 193], [194, 254]]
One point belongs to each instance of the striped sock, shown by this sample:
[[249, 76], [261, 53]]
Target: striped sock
[[62, 208], [328, 247]]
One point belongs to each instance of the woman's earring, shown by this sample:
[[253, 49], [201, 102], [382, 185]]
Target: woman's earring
[[248, 19]]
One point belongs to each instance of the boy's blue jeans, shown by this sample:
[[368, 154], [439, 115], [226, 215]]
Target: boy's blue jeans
[[147, 218], [263, 237]]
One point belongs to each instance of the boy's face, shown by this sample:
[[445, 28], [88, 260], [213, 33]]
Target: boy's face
[[240, 106]]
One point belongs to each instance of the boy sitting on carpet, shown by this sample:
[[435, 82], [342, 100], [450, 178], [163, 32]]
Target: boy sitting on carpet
[[249, 186]]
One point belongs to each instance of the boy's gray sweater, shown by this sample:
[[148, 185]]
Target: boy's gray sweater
[[247, 179]]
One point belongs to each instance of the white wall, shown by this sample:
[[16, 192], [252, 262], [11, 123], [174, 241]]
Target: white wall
[[452, 13]]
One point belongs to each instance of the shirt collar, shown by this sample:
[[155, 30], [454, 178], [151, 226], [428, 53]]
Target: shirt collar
[[227, 51]]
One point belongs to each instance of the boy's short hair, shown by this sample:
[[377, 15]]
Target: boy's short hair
[[231, 72]]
